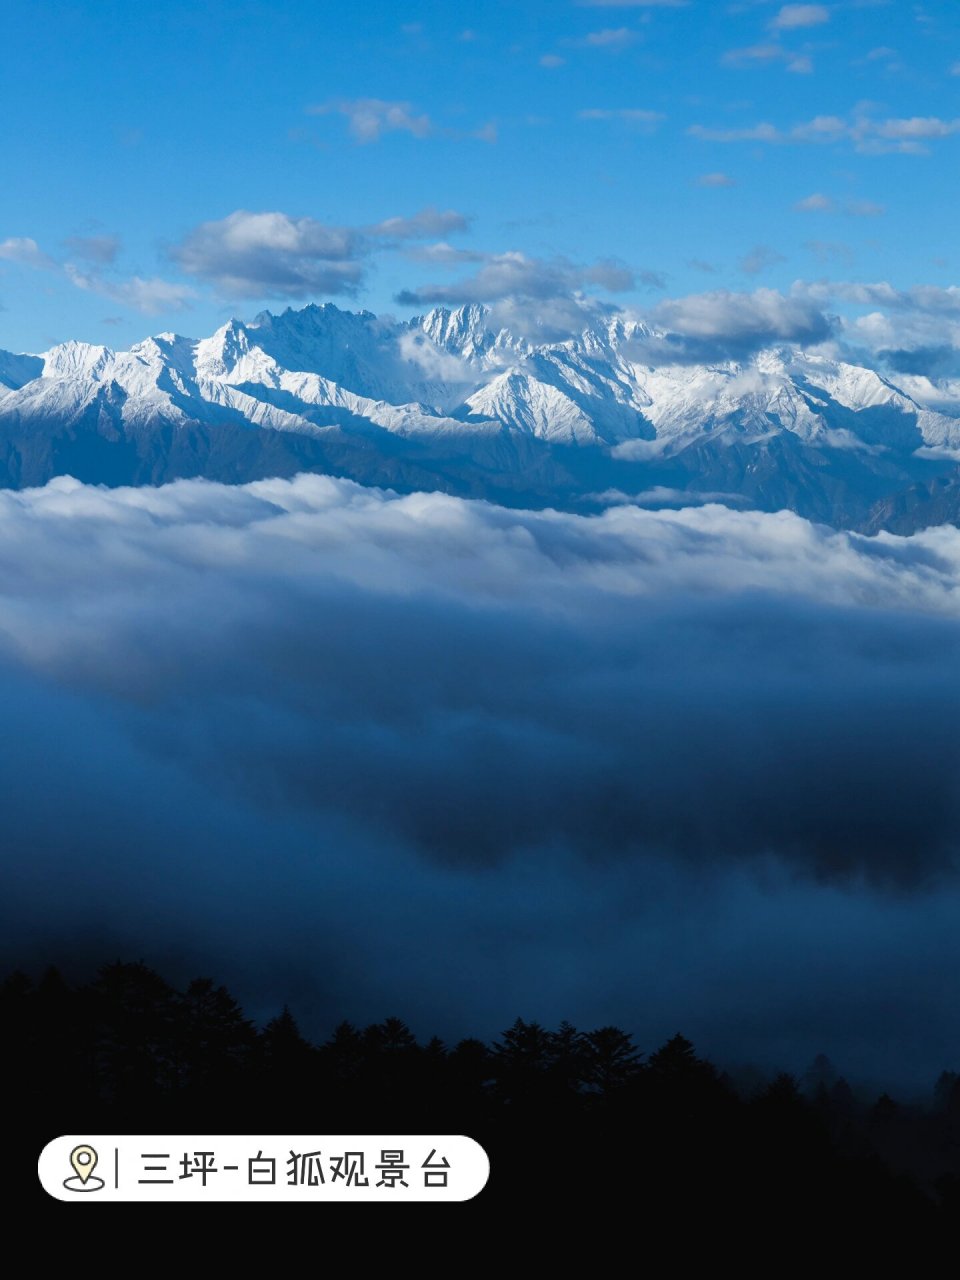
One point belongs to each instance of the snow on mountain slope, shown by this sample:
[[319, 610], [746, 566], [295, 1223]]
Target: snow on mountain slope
[[16, 370], [454, 374]]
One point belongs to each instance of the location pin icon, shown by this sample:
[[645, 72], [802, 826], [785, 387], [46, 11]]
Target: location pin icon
[[84, 1161]]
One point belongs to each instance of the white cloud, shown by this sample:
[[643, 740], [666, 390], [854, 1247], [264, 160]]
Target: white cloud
[[918, 329], [908, 135], [370, 118], [915, 128], [515, 275], [26, 252], [753, 53], [611, 38], [794, 16], [552, 60], [800, 64], [443, 254], [428, 222], [151, 296], [272, 255], [739, 321], [816, 203], [249, 721], [762, 132], [715, 180]]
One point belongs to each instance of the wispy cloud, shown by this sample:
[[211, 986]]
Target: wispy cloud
[[715, 180], [99, 249], [830, 250], [816, 203], [370, 118], [518, 275], [614, 39], [26, 252], [645, 121], [552, 60], [864, 209], [151, 296], [794, 16], [428, 222], [908, 135], [760, 258], [768, 54]]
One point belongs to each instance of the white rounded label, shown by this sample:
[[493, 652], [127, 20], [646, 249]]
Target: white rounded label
[[100, 1169]]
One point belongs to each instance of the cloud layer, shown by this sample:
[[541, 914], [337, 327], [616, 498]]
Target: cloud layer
[[271, 726]]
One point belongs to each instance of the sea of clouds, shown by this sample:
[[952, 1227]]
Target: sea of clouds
[[373, 754]]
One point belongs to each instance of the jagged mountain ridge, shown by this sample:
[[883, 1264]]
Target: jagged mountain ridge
[[448, 400]]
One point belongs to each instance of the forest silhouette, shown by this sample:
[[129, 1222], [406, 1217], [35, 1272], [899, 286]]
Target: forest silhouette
[[569, 1118]]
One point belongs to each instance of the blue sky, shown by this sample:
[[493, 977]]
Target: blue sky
[[632, 150]]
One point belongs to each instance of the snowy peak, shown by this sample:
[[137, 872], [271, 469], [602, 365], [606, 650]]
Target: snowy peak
[[76, 360], [454, 399], [464, 332]]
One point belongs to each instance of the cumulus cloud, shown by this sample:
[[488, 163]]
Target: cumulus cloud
[[517, 275], [273, 254], [916, 330], [723, 324], [256, 254]]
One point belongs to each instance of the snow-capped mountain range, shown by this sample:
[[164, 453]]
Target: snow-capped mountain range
[[450, 401]]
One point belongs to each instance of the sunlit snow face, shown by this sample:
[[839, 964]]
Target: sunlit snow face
[[380, 754]]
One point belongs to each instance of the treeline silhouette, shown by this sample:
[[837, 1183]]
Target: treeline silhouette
[[569, 1118]]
